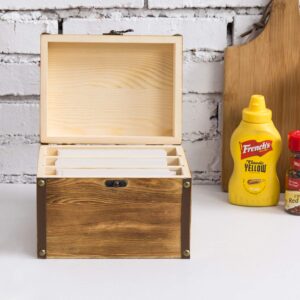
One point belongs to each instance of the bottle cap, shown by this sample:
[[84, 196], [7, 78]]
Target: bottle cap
[[257, 112], [294, 140]]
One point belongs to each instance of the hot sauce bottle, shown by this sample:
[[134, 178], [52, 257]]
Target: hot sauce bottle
[[255, 148], [292, 193]]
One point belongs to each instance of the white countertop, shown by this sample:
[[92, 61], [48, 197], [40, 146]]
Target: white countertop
[[237, 253]]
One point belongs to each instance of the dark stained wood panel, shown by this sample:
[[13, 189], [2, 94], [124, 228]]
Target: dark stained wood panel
[[87, 219]]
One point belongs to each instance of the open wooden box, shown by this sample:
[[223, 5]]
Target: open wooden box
[[112, 92]]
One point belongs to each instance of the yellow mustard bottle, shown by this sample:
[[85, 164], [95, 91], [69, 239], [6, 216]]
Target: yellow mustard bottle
[[255, 148]]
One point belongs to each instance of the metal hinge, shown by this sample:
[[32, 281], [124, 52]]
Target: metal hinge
[[118, 32]]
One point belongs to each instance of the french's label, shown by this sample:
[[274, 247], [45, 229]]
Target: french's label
[[253, 148], [256, 167]]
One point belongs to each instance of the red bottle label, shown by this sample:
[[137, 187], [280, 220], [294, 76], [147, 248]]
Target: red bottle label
[[295, 164], [254, 148], [293, 184]]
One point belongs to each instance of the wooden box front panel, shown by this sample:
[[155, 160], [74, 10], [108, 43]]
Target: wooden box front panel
[[85, 218]]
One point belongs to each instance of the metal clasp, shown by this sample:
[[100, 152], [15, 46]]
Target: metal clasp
[[116, 183]]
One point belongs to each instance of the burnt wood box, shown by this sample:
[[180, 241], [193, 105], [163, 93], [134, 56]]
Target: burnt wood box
[[102, 93]]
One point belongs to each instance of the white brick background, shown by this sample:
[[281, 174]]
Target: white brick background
[[208, 26]]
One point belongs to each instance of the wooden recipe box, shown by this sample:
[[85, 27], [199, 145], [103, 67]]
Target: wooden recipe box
[[114, 104]]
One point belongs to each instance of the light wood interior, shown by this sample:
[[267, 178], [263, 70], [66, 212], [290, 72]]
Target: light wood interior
[[108, 89], [175, 157]]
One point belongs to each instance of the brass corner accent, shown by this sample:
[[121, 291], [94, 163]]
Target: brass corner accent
[[42, 253], [187, 184], [186, 253], [41, 182]]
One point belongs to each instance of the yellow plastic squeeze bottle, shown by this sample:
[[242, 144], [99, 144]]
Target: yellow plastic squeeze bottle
[[255, 148]]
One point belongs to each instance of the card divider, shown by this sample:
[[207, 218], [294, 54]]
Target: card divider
[[171, 160], [173, 153], [53, 150]]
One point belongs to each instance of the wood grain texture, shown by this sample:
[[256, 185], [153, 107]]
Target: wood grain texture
[[89, 220], [108, 89], [268, 65]]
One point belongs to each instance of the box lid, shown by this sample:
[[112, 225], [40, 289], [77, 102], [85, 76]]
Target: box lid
[[111, 89]]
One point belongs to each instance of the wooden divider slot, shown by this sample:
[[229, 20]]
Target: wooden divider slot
[[53, 150], [171, 160], [176, 160]]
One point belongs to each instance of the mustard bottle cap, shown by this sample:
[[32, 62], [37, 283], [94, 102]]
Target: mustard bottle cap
[[257, 112]]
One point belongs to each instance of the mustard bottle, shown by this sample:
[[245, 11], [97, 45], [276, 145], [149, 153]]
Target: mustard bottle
[[255, 148]]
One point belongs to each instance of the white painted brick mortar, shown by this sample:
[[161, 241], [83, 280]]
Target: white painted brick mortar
[[205, 3], [62, 4], [23, 178]]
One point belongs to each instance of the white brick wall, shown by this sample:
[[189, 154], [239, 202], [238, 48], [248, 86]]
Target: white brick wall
[[205, 33], [208, 27], [203, 77], [20, 37], [242, 24], [200, 114], [18, 158], [19, 79], [19, 118]]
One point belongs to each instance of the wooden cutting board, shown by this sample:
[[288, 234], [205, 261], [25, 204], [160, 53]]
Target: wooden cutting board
[[268, 65]]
